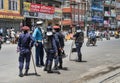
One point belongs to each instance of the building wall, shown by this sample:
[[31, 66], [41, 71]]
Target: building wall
[[74, 13], [10, 18]]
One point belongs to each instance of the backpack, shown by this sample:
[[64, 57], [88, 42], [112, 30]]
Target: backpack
[[79, 37], [47, 42]]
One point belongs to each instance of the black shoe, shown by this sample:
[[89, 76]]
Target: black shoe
[[45, 69], [42, 65], [50, 71], [78, 60], [26, 73], [60, 67], [38, 65], [55, 68], [21, 74]]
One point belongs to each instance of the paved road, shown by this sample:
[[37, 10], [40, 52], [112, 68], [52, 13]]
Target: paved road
[[105, 54]]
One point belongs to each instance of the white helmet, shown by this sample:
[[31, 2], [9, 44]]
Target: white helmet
[[49, 33], [39, 22]]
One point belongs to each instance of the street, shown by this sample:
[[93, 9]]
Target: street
[[95, 58]]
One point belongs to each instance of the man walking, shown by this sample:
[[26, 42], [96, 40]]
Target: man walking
[[38, 37], [79, 39]]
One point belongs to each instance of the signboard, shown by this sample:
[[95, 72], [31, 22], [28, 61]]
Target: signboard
[[38, 15], [32, 7], [58, 13], [96, 8], [97, 19]]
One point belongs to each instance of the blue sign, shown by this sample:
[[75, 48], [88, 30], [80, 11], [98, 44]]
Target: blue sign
[[96, 8], [97, 19]]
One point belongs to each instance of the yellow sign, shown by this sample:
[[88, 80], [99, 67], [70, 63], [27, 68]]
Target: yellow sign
[[11, 17], [26, 6]]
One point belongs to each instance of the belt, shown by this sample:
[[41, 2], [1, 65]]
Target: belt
[[39, 40]]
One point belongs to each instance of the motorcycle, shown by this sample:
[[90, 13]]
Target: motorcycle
[[91, 41]]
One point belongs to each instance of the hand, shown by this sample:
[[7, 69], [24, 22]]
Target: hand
[[36, 44], [56, 54]]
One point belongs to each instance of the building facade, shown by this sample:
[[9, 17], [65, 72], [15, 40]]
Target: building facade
[[74, 13], [45, 10], [97, 10], [10, 14], [118, 13], [110, 14]]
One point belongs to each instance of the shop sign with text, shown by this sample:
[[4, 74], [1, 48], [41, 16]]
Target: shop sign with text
[[32, 7]]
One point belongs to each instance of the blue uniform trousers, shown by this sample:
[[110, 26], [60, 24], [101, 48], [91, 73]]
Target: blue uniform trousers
[[39, 54], [24, 57], [50, 57]]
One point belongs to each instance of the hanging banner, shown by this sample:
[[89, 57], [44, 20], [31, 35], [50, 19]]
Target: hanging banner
[[32, 7]]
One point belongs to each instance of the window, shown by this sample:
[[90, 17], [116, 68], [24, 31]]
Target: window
[[1, 4], [13, 5]]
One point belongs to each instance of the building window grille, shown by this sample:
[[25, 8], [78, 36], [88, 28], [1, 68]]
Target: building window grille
[[1, 4], [13, 5]]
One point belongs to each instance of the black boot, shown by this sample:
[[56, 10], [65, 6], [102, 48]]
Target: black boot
[[26, 72], [55, 67], [20, 73], [79, 59], [45, 68], [60, 66], [49, 68]]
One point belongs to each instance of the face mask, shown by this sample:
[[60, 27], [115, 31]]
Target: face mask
[[78, 31]]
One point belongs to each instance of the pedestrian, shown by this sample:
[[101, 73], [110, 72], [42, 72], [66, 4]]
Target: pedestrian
[[59, 37], [50, 49], [79, 39], [38, 37], [25, 43], [1, 31]]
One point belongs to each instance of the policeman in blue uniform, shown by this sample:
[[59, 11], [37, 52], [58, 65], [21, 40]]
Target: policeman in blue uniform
[[51, 49], [38, 37], [59, 37], [25, 43]]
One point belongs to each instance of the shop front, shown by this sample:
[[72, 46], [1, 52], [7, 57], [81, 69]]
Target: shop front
[[34, 12]]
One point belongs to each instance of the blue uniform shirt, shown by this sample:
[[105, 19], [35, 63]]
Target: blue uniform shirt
[[37, 34]]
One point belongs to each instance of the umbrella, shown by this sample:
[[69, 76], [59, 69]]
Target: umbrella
[[56, 27]]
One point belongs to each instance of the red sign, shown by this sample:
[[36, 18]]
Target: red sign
[[47, 9], [35, 7], [42, 8]]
